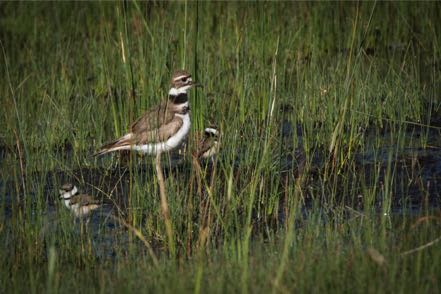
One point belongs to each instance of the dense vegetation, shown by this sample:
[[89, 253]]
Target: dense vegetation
[[327, 179]]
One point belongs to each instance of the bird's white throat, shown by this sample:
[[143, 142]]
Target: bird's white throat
[[175, 92], [67, 195]]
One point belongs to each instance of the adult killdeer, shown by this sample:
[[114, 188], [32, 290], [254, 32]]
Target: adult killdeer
[[81, 205], [209, 145], [163, 127]]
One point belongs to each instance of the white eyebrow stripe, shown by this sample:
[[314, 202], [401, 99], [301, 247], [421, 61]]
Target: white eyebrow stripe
[[179, 77]]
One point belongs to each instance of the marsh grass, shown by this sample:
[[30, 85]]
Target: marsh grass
[[358, 84]]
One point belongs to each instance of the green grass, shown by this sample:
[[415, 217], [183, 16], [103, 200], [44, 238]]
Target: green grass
[[361, 79]]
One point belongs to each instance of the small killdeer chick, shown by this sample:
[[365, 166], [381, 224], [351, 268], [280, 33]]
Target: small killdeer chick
[[81, 205], [208, 147], [163, 127]]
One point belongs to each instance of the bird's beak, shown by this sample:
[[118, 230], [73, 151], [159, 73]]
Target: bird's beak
[[196, 84]]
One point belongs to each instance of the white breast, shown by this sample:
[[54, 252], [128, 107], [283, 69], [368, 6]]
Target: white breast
[[172, 142], [75, 208], [212, 151], [67, 203]]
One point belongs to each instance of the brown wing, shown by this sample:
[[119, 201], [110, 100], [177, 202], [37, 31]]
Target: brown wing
[[160, 134], [152, 119], [205, 145], [156, 124], [83, 200]]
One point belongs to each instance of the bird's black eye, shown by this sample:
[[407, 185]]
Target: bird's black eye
[[184, 79]]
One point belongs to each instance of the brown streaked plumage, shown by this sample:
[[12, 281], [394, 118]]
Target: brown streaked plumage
[[84, 200], [209, 145], [156, 125], [80, 204], [163, 127]]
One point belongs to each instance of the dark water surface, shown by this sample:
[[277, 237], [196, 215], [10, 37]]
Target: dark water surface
[[415, 186]]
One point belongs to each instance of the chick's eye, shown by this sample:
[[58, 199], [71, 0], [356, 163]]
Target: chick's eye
[[184, 79]]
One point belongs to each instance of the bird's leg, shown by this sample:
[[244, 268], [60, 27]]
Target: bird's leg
[[164, 205]]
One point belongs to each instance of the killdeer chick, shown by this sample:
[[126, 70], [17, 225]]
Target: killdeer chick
[[209, 145], [163, 127], [81, 205]]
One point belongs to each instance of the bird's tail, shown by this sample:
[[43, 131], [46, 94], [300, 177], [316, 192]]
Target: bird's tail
[[122, 143]]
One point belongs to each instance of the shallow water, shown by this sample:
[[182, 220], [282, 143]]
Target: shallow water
[[415, 188]]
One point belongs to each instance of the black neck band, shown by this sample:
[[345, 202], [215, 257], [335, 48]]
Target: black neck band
[[178, 99]]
